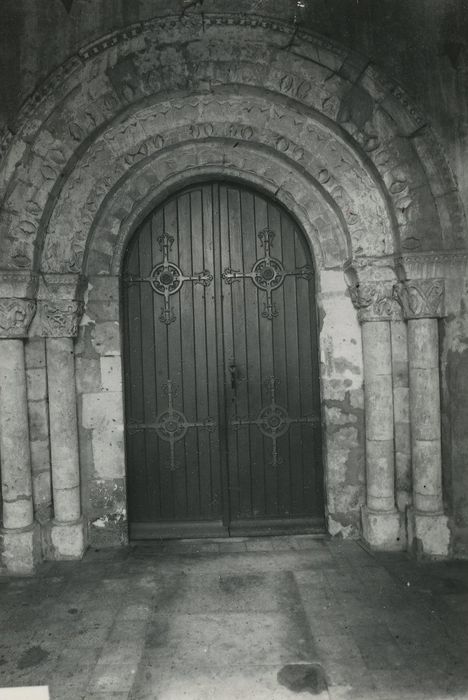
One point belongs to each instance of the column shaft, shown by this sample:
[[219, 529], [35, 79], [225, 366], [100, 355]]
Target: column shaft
[[14, 437], [63, 429], [423, 303], [403, 483], [423, 345], [380, 459]]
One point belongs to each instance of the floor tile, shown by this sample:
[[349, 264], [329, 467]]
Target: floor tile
[[116, 678], [231, 683], [220, 619]]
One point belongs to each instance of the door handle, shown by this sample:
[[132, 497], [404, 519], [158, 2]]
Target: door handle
[[233, 373]]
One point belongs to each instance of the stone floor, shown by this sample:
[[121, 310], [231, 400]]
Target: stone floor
[[259, 618]]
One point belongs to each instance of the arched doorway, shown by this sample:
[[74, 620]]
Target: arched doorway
[[223, 427], [371, 189]]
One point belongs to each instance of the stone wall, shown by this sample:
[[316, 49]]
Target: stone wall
[[422, 44], [129, 119], [343, 406], [99, 385]]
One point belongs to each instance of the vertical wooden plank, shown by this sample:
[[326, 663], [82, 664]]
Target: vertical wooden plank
[[190, 361], [134, 380], [203, 300], [280, 473], [253, 384], [147, 359], [292, 320], [303, 494], [211, 490], [201, 467], [262, 479], [316, 470], [237, 289], [229, 352], [170, 336], [161, 363], [185, 477], [225, 407]]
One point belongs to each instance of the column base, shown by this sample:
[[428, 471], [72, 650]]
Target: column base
[[428, 533], [64, 541], [382, 530], [20, 549]]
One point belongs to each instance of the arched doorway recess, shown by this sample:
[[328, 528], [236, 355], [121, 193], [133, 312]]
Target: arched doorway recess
[[114, 132], [223, 427]]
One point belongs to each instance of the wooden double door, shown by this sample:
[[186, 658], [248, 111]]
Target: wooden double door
[[223, 432]]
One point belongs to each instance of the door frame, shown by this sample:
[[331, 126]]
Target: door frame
[[170, 530]]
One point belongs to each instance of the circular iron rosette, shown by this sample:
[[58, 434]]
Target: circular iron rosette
[[268, 273], [165, 279], [273, 421], [171, 426]]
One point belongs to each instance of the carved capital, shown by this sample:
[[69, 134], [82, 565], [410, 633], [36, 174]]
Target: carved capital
[[18, 284], [436, 265], [421, 298], [15, 317], [59, 318], [375, 301]]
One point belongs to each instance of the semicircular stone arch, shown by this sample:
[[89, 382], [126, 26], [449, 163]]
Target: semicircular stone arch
[[234, 133], [122, 212], [143, 112], [116, 97]]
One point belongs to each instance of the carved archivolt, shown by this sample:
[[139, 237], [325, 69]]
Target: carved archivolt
[[149, 183], [129, 151], [90, 116]]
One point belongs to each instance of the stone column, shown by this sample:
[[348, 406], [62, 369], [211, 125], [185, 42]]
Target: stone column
[[59, 325], [20, 538], [423, 304], [381, 522], [38, 409], [403, 485]]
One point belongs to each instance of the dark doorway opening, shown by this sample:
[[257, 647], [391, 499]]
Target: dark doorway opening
[[223, 430]]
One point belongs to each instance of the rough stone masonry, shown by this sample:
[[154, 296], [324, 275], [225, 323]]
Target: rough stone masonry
[[142, 103]]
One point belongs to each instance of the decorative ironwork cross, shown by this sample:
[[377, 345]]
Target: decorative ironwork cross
[[267, 273], [273, 420], [166, 278], [171, 425]]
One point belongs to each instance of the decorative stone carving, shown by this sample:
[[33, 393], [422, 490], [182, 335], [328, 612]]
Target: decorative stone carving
[[330, 244], [102, 45], [421, 298], [15, 317], [375, 301], [60, 318], [18, 284], [299, 81], [433, 265], [83, 201]]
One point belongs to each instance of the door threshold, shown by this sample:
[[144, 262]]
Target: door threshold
[[188, 529], [277, 527], [215, 531]]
